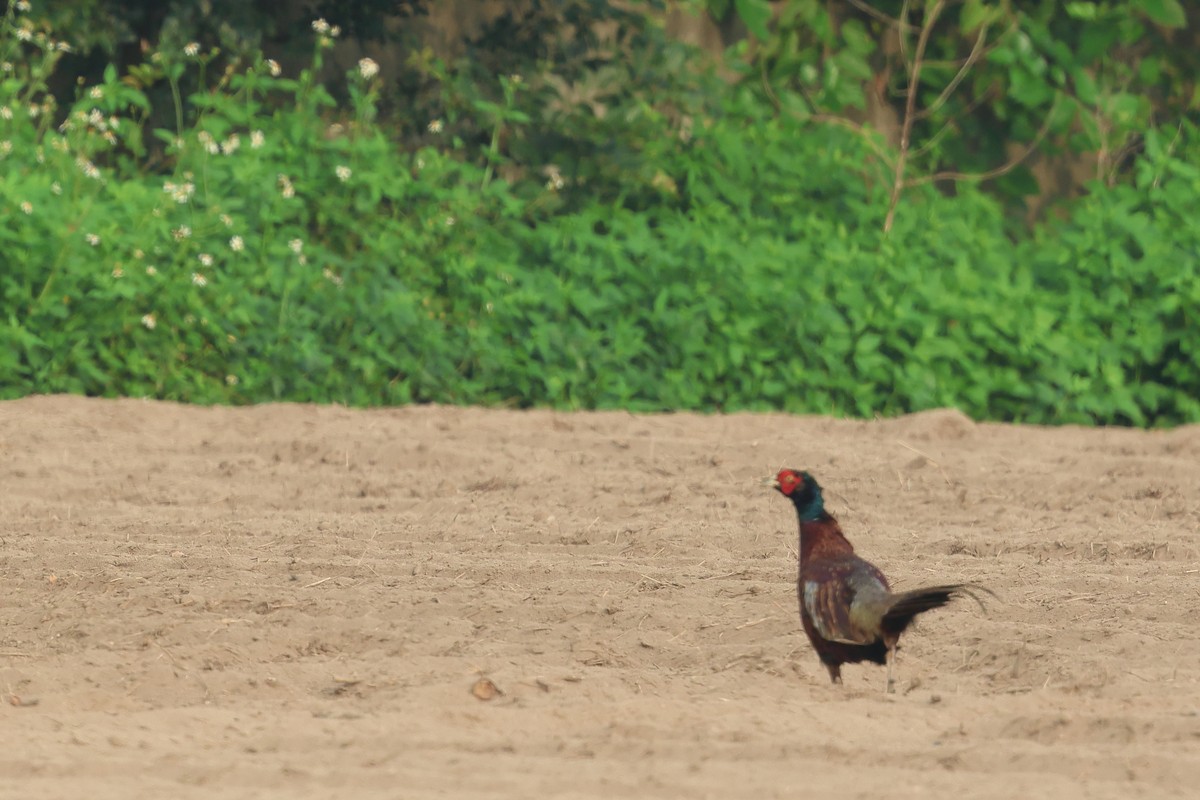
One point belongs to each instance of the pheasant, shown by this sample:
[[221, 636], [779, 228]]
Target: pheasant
[[846, 606]]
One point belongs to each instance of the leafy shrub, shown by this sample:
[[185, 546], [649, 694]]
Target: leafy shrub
[[287, 249], [1122, 276]]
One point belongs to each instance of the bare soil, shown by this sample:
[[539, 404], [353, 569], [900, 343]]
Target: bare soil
[[299, 601]]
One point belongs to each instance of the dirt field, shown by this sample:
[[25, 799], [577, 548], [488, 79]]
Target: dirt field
[[298, 602]]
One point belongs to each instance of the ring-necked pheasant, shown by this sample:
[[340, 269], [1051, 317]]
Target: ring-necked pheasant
[[847, 609]]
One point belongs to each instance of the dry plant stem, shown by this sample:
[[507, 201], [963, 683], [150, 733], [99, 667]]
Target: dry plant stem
[[991, 173], [899, 24], [914, 79], [976, 52]]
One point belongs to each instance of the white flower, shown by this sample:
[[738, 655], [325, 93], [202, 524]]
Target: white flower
[[182, 193], [6, 112], [435, 126], [151, 271], [232, 380], [285, 187], [226, 220], [199, 279], [191, 49], [63, 47], [420, 163], [273, 65], [231, 144], [56, 187], [27, 207], [149, 321], [6, 147], [335, 31], [23, 6], [450, 222], [296, 246], [181, 233], [332, 276], [92, 239], [24, 34], [6, 66], [137, 253], [257, 138], [367, 68], [236, 244], [118, 272], [206, 260], [96, 93], [320, 26], [343, 173]]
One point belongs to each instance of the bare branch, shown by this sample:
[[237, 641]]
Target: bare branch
[[990, 94], [879, 15], [1170, 152], [903, 27], [976, 52], [1003, 169], [914, 82]]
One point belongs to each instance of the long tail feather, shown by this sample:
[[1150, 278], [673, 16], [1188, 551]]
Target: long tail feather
[[906, 605]]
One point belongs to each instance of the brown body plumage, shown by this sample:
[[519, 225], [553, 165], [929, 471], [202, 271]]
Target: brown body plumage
[[846, 606]]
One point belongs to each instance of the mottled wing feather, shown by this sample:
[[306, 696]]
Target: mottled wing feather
[[828, 604], [846, 601]]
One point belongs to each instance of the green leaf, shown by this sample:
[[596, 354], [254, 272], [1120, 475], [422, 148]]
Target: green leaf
[[1085, 87], [1084, 11], [974, 14], [1168, 13], [756, 14]]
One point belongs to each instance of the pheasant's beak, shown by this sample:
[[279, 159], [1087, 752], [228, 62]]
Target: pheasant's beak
[[771, 482]]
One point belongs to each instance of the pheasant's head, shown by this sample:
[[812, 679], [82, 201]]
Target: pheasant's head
[[803, 491]]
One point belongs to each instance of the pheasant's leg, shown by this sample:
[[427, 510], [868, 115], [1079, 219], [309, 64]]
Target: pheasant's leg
[[835, 672], [891, 679]]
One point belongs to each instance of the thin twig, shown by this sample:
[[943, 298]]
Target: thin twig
[[752, 623], [951, 175], [902, 28], [879, 15], [914, 82], [933, 140], [928, 458], [976, 52]]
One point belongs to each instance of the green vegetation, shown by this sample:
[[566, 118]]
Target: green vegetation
[[200, 227]]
